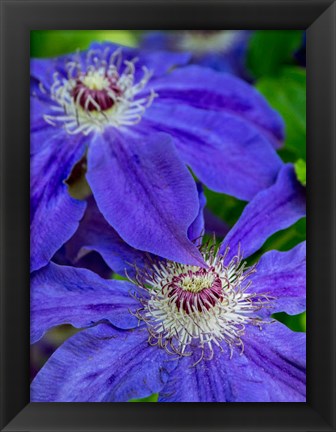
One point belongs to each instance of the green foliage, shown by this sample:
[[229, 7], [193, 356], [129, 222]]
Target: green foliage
[[287, 94], [224, 206], [269, 50], [49, 43], [294, 322], [300, 169], [117, 276], [286, 239], [152, 398], [283, 240]]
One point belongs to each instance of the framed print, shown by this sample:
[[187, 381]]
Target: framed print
[[167, 206]]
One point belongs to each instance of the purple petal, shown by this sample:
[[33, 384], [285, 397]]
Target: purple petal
[[279, 358], [159, 40], [54, 213], [225, 152], [230, 58], [68, 295], [145, 192], [272, 369], [158, 62], [93, 261], [204, 88], [196, 229], [103, 364], [272, 210], [213, 224], [216, 380], [161, 62], [94, 233], [283, 275], [44, 70], [40, 105]]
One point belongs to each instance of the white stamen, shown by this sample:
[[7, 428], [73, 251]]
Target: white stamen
[[192, 308], [74, 114]]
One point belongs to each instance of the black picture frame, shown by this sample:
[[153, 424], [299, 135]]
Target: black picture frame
[[18, 18]]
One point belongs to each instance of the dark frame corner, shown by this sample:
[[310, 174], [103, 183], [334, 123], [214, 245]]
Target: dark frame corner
[[21, 16]]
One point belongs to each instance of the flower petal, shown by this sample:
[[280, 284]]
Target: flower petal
[[159, 62], [229, 58], [214, 224], [270, 211], [43, 70], [272, 369], [225, 152], [94, 233], [196, 229], [103, 364], [69, 295], [40, 105], [145, 192], [283, 276], [279, 358], [54, 213], [205, 88]]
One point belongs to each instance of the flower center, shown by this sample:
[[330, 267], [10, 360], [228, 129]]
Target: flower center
[[98, 91], [200, 289], [189, 308], [204, 41]]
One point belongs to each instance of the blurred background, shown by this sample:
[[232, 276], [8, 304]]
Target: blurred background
[[272, 61]]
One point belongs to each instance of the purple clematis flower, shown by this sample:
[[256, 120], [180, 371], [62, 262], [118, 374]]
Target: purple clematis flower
[[189, 333], [221, 50], [139, 123]]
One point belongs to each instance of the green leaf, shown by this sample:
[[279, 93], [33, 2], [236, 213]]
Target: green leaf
[[287, 94], [269, 50], [300, 169], [153, 398], [117, 276], [283, 240], [224, 206], [50, 43], [294, 322]]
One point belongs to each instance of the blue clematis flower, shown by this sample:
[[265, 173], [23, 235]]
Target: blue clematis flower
[[198, 334], [221, 50], [139, 124]]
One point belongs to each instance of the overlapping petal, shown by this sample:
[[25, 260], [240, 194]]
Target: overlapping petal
[[272, 210], [282, 275], [145, 192], [227, 58], [271, 369], [214, 224], [279, 356], [94, 233], [44, 71], [39, 106], [69, 295], [54, 214], [196, 229], [158, 63], [210, 90], [103, 364], [226, 153]]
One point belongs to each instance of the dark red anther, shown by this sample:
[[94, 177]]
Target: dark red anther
[[102, 98], [188, 300]]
